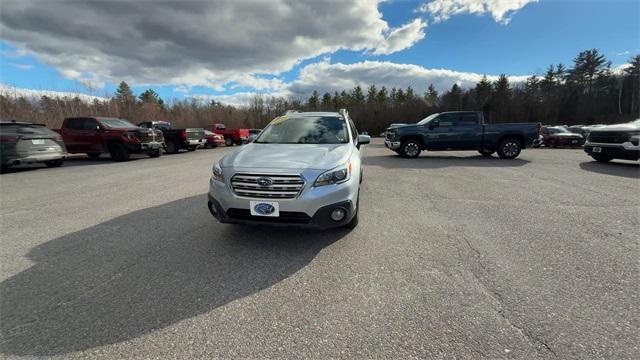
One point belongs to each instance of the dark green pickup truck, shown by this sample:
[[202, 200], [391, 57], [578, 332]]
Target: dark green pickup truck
[[461, 130]]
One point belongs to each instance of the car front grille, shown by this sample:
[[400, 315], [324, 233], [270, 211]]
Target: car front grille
[[286, 217], [608, 137], [281, 187]]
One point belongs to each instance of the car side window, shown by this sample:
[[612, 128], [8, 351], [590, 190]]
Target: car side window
[[446, 120], [75, 124], [90, 124], [354, 131], [145, 125], [467, 119]]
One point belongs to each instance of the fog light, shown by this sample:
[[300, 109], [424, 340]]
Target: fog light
[[338, 214]]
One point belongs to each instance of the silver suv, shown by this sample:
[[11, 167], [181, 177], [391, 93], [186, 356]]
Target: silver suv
[[303, 169]]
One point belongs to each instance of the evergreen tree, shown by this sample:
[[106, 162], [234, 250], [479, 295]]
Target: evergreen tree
[[150, 96], [326, 101], [382, 96], [314, 100], [357, 97], [431, 96], [371, 94]]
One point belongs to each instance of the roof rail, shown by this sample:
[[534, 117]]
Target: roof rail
[[291, 112]]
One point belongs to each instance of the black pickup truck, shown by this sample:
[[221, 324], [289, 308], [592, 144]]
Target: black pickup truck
[[176, 139], [461, 130]]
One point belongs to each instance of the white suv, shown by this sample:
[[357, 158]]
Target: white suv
[[303, 169]]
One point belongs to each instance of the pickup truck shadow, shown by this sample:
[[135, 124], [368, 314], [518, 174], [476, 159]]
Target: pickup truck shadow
[[615, 168], [141, 272], [440, 160]]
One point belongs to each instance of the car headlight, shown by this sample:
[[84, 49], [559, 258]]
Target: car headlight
[[217, 172], [334, 176]]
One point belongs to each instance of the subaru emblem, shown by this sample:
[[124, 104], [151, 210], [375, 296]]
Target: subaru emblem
[[265, 181], [264, 209]]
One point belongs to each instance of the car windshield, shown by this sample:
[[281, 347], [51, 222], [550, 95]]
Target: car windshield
[[116, 123], [305, 130], [558, 130], [427, 119]]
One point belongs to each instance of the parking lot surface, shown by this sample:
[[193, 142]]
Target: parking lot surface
[[456, 256]]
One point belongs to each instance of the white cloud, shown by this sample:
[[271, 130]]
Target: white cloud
[[196, 43], [31, 94], [21, 66], [324, 76], [238, 99], [402, 37], [500, 10], [623, 53]]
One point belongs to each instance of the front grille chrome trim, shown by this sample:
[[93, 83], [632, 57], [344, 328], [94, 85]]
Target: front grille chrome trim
[[284, 186]]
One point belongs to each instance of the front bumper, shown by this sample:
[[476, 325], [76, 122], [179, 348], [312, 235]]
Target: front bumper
[[32, 158], [196, 142], [320, 220], [393, 145], [310, 208], [144, 147], [625, 151]]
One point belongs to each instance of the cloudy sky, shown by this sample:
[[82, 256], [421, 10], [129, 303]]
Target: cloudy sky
[[231, 49]]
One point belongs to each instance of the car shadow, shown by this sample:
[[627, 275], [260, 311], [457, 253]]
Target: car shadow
[[436, 161], [141, 272], [624, 169]]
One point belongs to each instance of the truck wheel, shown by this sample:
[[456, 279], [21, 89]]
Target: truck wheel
[[192, 148], [601, 158], [172, 147], [155, 153], [54, 163], [509, 149], [410, 148], [485, 152], [118, 152], [228, 141], [93, 155]]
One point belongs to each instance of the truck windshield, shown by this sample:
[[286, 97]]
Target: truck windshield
[[428, 118], [305, 130], [116, 123]]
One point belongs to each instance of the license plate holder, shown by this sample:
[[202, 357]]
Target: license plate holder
[[597, 149], [264, 208]]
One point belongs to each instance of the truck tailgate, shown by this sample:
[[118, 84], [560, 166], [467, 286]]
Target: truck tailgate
[[195, 133]]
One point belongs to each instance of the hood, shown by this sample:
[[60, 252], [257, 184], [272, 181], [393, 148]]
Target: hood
[[288, 156], [632, 126]]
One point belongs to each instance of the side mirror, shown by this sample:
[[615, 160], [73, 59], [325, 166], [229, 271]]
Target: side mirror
[[98, 128], [364, 139], [434, 124]]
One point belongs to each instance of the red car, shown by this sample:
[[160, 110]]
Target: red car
[[231, 136], [212, 139], [556, 136], [118, 137]]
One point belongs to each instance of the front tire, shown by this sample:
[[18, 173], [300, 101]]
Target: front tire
[[54, 163], [509, 149], [410, 148], [228, 141], [354, 220], [192, 148], [119, 152], [172, 147]]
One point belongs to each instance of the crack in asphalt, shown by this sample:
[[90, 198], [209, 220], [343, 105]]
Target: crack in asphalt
[[497, 298]]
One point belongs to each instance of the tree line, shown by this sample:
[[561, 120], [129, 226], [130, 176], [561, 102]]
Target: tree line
[[588, 92]]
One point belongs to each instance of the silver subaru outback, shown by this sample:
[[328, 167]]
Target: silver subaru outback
[[303, 169]]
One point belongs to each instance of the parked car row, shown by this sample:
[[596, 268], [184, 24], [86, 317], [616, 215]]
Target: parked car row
[[25, 143]]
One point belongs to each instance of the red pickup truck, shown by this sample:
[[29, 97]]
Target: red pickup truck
[[231, 136], [120, 138]]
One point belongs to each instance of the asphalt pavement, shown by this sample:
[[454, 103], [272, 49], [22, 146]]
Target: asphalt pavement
[[456, 256]]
